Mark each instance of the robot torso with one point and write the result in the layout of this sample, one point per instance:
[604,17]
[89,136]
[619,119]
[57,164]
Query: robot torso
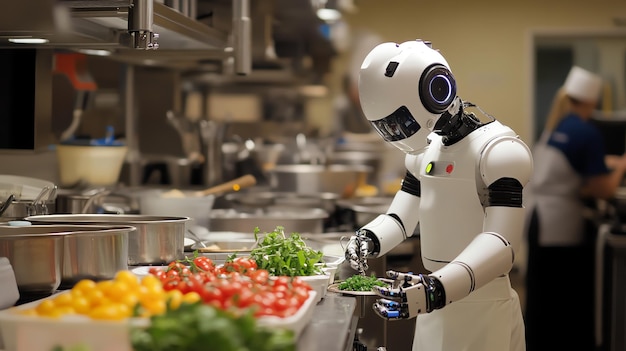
[453,191]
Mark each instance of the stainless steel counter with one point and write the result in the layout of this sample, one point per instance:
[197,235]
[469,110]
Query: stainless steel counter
[333,325]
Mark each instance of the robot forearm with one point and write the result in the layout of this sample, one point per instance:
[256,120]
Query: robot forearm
[386,231]
[488,256]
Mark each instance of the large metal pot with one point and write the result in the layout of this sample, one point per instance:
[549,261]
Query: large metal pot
[301,220]
[87,252]
[94,252]
[306,178]
[158,239]
[361,211]
[36,256]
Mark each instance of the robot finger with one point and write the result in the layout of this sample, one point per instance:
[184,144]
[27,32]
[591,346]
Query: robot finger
[389,304]
[390,313]
[388,293]
[364,248]
[355,264]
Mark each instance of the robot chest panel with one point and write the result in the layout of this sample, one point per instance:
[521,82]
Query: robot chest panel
[451,213]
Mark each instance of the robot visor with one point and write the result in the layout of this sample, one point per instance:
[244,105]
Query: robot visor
[397,126]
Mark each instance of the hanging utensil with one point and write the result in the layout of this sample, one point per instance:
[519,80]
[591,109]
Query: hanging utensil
[236,184]
[6,203]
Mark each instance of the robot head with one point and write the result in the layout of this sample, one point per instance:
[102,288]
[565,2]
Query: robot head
[403,89]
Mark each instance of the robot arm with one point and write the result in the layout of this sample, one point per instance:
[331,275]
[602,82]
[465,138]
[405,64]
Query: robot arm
[489,255]
[386,231]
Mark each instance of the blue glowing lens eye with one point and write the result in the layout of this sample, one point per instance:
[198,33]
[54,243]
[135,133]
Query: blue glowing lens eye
[437,88]
[440,88]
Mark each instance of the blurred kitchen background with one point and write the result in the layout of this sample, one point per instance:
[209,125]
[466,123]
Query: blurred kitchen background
[271,71]
[203,91]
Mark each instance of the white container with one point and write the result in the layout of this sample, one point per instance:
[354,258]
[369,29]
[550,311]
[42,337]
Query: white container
[8,285]
[319,283]
[32,333]
[93,165]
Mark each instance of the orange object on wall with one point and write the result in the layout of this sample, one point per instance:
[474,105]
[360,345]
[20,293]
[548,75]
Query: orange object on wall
[74,66]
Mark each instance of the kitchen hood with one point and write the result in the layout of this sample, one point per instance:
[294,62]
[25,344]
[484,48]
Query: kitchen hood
[130,30]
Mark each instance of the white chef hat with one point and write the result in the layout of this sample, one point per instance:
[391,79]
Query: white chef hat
[583,85]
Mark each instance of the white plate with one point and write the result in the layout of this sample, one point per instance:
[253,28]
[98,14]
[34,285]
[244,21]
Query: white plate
[142,271]
[188,242]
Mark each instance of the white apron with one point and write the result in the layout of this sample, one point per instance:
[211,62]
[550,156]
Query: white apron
[456,327]
[556,193]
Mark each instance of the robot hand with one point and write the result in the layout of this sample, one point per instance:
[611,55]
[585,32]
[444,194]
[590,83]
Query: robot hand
[408,296]
[357,251]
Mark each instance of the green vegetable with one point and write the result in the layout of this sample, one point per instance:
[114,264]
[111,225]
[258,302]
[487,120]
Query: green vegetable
[284,255]
[360,283]
[198,326]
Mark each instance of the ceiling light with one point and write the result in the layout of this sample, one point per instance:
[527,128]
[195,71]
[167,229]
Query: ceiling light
[28,40]
[328,15]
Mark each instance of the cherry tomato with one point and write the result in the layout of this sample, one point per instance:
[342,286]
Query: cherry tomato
[204,264]
[260,276]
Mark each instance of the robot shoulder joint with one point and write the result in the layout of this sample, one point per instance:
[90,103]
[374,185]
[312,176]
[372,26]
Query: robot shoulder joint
[506,157]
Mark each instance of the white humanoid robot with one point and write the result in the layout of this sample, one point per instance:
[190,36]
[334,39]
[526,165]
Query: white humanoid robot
[463,187]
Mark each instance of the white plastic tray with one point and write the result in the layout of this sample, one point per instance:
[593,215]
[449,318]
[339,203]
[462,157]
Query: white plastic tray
[297,322]
[30,333]
[319,283]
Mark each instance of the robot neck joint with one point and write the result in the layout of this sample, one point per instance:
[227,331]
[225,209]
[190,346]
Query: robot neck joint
[455,127]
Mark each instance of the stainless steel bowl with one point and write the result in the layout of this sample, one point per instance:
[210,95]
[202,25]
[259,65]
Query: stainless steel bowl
[36,255]
[157,240]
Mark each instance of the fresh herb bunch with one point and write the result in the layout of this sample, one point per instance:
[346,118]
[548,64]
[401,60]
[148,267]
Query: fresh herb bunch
[360,283]
[283,255]
[198,326]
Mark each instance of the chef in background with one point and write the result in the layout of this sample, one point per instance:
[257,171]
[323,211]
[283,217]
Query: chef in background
[571,168]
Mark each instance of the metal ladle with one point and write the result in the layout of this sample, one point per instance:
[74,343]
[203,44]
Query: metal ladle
[195,237]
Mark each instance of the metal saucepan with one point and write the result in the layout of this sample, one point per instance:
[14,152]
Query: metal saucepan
[157,240]
[17,209]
